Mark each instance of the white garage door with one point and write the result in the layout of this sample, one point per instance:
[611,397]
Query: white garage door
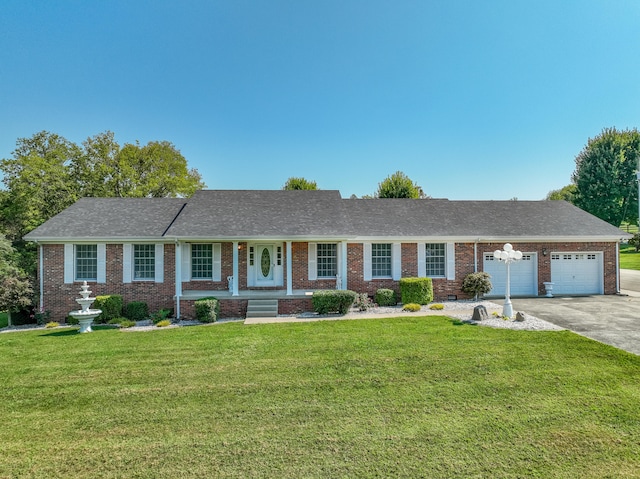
[524,275]
[576,273]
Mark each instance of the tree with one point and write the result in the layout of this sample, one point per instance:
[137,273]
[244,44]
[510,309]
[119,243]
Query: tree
[16,290]
[399,185]
[48,173]
[38,182]
[605,176]
[295,183]
[635,241]
[566,193]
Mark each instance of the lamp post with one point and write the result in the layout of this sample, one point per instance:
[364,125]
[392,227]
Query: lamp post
[508,255]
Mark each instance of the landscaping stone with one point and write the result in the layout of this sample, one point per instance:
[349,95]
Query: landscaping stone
[520,316]
[480,313]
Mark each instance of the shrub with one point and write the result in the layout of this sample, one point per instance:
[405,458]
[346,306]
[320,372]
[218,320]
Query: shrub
[416,290]
[126,323]
[437,306]
[71,320]
[52,324]
[137,311]
[163,324]
[333,301]
[386,297]
[111,306]
[207,309]
[362,302]
[42,317]
[413,307]
[476,284]
[635,241]
[161,315]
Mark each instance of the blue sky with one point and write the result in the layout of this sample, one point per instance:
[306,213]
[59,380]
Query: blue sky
[471,99]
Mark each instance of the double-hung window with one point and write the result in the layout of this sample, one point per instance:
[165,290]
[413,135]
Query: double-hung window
[435,259]
[86,262]
[381,260]
[144,262]
[201,261]
[327,260]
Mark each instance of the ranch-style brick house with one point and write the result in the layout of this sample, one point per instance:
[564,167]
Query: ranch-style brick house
[241,245]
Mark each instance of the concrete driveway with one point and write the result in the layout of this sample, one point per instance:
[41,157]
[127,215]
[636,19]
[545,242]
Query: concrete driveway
[611,319]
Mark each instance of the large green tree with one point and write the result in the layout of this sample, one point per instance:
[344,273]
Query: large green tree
[16,289]
[299,183]
[565,193]
[47,173]
[399,185]
[605,176]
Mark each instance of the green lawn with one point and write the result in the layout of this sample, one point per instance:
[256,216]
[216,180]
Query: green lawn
[404,397]
[629,259]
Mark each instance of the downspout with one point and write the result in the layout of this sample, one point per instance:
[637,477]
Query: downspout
[475,256]
[177,267]
[41,274]
[617,268]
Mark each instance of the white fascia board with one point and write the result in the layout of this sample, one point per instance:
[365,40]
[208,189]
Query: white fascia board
[258,239]
[489,239]
[79,240]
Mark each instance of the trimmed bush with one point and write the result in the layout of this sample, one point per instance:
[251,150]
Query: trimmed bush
[137,311]
[333,301]
[436,306]
[207,309]
[164,323]
[416,290]
[52,324]
[411,307]
[386,297]
[111,306]
[71,320]
[476,284]
[161,315]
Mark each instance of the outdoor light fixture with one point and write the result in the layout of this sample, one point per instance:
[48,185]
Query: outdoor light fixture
[544,251]
[508,255]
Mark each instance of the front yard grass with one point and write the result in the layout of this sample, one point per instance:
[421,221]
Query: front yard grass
[629,258]
[401,397]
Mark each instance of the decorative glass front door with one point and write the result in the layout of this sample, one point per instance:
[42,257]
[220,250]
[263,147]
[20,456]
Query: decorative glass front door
[264,270]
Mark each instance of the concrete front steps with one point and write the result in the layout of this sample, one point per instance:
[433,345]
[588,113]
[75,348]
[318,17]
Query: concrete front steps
[262,308]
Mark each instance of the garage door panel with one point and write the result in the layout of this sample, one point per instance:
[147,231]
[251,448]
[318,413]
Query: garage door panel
[524,275]
[576,273]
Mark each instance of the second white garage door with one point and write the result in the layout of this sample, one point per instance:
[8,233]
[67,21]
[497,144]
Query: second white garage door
[576,273]
[524,275]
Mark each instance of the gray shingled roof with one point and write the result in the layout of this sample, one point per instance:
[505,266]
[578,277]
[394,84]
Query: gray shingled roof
[267,213]
[474,219]
[251,214]
[94,218]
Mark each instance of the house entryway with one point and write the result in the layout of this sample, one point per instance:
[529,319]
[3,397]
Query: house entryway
[264,265]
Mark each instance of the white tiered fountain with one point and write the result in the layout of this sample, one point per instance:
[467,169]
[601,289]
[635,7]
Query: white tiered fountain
[85,316]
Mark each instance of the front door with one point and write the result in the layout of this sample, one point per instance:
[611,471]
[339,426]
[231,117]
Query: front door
[265,263]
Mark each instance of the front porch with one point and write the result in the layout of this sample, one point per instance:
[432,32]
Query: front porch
[235,306]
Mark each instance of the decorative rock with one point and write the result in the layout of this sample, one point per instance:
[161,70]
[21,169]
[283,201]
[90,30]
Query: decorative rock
[479,313]
[519,316]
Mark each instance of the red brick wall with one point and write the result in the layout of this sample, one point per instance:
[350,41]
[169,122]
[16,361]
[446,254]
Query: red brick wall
[59,298]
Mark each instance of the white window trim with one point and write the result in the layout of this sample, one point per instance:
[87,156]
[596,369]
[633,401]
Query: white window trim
[312,260]
[128,264]
[396,262]
[449,261]
[216,269]
[69,260]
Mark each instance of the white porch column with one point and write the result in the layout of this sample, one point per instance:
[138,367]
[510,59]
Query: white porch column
[343,264]
[289,270]
[178,269]
[235,269]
